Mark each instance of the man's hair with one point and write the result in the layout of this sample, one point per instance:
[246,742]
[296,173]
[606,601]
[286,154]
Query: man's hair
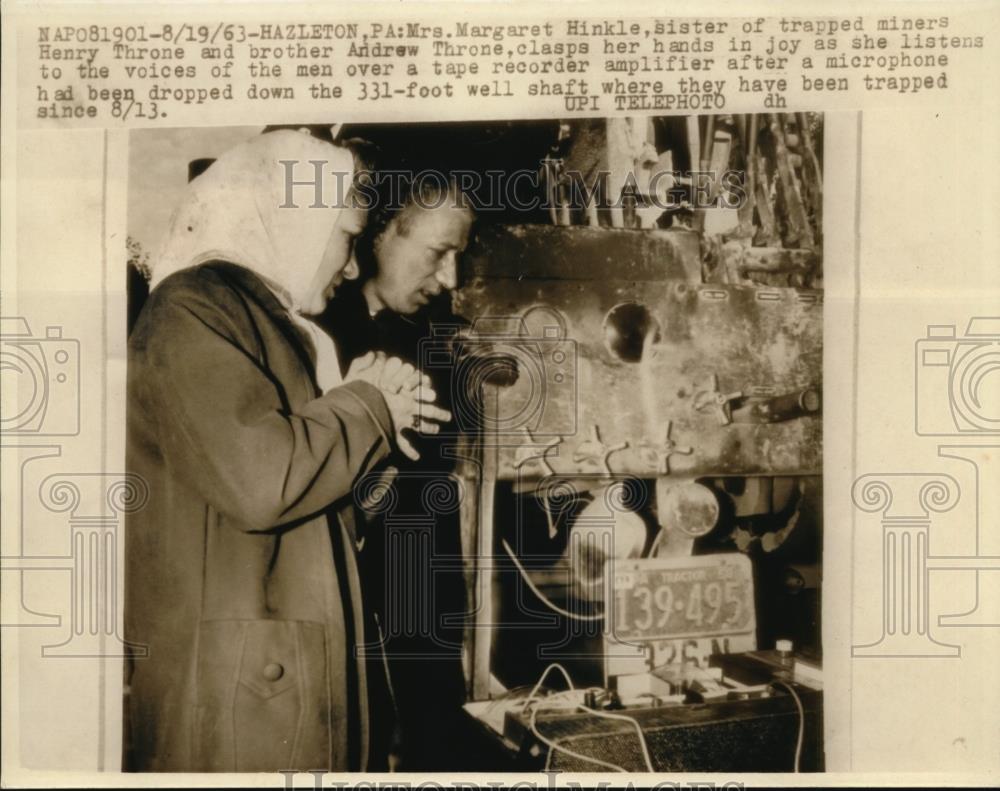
[387,188]
[425,190]
[392,192]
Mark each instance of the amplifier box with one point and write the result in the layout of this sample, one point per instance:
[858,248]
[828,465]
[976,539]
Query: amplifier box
[756,735]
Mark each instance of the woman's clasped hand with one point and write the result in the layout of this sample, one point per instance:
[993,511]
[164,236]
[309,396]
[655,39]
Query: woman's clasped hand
[408,393]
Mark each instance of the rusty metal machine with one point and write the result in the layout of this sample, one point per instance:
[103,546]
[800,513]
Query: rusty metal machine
[627,425]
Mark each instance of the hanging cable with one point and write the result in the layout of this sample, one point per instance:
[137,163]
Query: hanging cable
[541,680]
[542,597]
[533,725]
[638,729]
[552,745]
[802,720]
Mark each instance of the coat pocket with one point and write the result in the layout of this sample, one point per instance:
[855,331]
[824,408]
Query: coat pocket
[263,696]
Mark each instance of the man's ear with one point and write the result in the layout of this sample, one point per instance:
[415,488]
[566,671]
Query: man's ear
[390,230]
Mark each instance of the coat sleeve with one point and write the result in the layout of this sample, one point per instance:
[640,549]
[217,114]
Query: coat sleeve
[223,427]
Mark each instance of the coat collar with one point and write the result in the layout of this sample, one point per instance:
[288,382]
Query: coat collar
[253,286]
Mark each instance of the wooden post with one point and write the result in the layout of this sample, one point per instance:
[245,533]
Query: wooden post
[483,613]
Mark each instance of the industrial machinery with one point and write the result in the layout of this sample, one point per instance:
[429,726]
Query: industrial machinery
[642,456]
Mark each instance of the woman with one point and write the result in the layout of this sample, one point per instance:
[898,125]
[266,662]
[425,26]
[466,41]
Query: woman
[242,590]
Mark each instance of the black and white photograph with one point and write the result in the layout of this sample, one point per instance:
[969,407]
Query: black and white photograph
[476,447]
[436,394]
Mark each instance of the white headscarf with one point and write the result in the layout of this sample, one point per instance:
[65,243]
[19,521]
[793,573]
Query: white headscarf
[233,212]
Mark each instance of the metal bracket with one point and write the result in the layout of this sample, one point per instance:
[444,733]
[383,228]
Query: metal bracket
[594,450]
[658,456]
[533,454]
[720,402]
[529,454]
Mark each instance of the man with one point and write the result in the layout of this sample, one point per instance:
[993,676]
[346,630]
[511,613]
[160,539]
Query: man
[408,257]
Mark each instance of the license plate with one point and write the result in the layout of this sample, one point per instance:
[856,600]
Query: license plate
[665,598]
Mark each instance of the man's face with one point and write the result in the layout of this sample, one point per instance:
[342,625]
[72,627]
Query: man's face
[418,258]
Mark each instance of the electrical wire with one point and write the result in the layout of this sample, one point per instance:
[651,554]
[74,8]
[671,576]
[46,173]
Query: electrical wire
[541,680]
[542,597]
[510,694]
[600,714]
[552,745]
[533,725]
[638,729]
[802,720]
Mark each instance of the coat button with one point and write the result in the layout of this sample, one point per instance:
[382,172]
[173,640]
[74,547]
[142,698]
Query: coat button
[273,671]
